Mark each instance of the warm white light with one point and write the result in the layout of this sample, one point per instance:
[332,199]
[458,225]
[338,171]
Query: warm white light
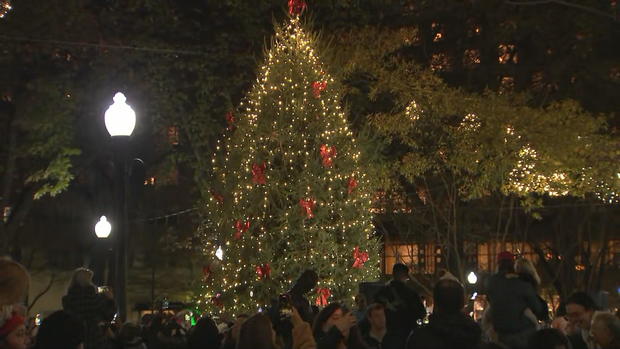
[472,278]
[120,119]
[219,253]
[103,228]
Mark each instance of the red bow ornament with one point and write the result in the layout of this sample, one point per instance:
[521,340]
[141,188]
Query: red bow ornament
[240,228]
[360,258]
[263,271]
[318,87]
[217,196]
[258,174]
[307,205]
[351,185]
[230,120]
[296,7]
[322,298]
[328,154]
[217,300]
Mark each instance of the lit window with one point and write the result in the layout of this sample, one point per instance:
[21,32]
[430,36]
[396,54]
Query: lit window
[507,54]
[150,181]
[173,135]
[471,57]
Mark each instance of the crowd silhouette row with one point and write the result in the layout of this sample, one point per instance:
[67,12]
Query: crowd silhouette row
[395,317]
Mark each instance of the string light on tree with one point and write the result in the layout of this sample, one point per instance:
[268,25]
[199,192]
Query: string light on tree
[291,167]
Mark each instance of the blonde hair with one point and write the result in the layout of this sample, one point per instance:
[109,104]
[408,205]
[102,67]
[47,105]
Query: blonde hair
[525,266]
[611,321]
[82,277]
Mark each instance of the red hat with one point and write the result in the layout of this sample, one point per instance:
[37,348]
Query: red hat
[505,256]
[11,324]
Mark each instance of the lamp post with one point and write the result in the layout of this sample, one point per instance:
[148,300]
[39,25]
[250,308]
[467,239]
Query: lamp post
[120,120]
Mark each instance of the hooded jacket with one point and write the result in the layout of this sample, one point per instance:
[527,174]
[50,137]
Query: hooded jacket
[446,331]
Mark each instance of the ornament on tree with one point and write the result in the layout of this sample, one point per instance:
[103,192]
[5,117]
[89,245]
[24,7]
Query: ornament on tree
[206,272]
[328,154]
[296,7]
[352,184]
[230,120]
[360,258]
[217,300]
[240,228]
[322,298]
[217,196]
[307,205]
[318,87]
[422,194]
[258,174]
[263,271]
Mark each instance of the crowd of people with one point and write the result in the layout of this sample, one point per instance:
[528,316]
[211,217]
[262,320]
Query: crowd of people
[392,318]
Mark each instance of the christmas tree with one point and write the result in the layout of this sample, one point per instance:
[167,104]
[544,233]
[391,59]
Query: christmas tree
[289,192]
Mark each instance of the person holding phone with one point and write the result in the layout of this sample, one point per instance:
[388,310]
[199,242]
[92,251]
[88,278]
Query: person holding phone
[335,328]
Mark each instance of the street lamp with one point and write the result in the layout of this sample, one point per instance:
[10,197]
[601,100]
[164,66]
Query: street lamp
[103,228]
[120,120]
[472,278]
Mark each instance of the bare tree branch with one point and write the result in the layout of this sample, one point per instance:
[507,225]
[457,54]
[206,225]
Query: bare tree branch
[564,3]
[47,288]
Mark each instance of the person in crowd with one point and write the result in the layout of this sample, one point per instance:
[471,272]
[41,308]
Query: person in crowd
[13,333]
[508,297]
[91,307]
[527,272]
[560,322]
[305,283]
[548,338]
[205,335]
[580,308]
[335,328]
[403,304]
[129,337]
[378,336]
[361,303]
[230,341]
[60,330]
[448,326]
[257,333]
[605,330]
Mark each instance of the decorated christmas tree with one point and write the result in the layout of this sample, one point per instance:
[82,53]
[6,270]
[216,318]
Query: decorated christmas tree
[289,190]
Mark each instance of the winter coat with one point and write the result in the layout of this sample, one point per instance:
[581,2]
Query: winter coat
[446,331]
[389,341]
[403,307]
[91,308]
[302,337]
[509,296]
[331,339]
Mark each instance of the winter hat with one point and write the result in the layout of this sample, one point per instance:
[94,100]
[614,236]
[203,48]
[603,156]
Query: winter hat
[14,282]
[11,324]
[505,256]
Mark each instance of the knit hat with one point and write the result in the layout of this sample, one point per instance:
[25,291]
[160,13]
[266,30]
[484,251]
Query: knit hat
[14,282]
[11,324]
[505,256]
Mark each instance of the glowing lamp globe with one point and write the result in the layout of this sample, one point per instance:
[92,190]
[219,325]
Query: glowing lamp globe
[103,228]
[120,119]
[472,278]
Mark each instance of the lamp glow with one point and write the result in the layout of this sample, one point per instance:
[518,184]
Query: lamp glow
[472,278]
[103,228]
[120,119]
